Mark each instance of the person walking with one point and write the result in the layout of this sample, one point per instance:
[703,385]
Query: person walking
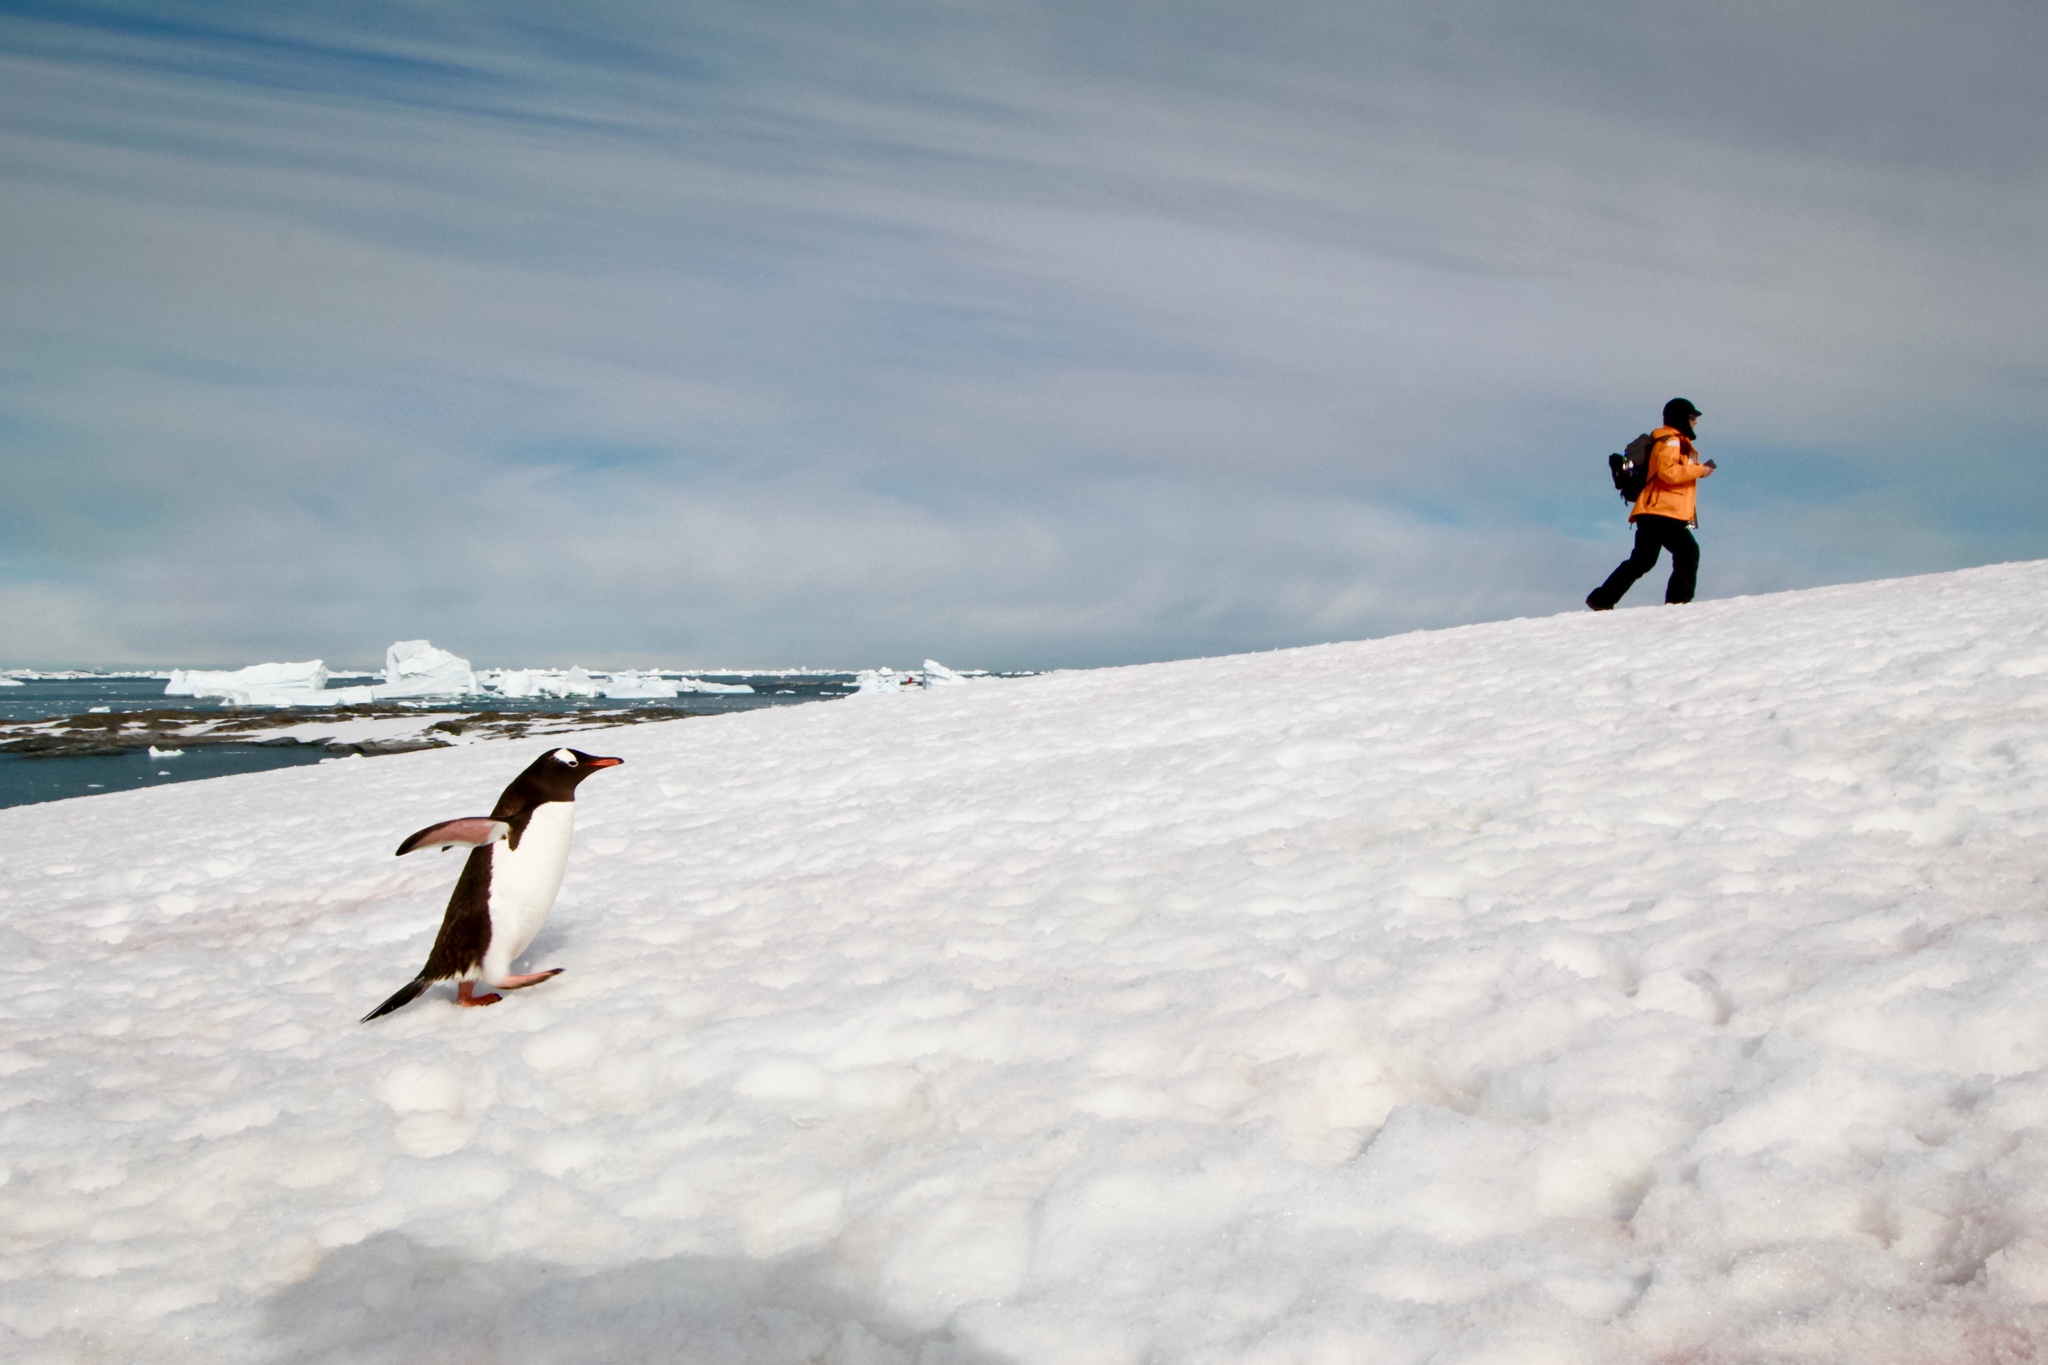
[1664,512]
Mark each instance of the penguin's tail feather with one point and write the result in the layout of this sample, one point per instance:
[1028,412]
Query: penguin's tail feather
[404,996]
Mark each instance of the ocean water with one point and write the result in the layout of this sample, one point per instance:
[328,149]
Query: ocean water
[26,780]
[48,698]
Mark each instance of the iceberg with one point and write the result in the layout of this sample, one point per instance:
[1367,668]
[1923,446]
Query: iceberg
[511,682]
[636,686]
[545,682]
[622,685]
[935,674]
[576,682]
[882,680]
[414,668]
[298,684]
[699,685]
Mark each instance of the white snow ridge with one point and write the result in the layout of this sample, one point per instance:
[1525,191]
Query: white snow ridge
[1658,986]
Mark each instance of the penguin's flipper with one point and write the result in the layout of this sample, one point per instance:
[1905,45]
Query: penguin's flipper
[405,995]
[470,831]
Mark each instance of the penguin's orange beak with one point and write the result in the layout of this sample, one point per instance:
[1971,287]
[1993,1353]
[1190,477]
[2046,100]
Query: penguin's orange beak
[606,762]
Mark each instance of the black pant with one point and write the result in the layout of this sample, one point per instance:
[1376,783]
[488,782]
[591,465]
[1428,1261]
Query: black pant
[1653,534]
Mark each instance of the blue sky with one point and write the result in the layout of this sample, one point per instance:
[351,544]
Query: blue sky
[1009,334]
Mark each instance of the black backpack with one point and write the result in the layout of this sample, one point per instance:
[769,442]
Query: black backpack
[1631,468]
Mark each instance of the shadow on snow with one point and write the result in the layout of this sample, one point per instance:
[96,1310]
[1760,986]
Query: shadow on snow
[394,1299]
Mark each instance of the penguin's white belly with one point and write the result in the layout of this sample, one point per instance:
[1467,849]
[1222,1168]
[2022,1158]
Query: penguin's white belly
[524,881]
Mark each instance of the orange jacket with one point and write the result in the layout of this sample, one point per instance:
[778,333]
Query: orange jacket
[1673,473]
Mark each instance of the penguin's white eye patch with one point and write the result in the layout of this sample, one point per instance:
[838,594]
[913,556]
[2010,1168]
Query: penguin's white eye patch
[564,756]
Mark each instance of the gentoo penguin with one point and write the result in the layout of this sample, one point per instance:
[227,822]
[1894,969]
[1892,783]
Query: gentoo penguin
[507,887]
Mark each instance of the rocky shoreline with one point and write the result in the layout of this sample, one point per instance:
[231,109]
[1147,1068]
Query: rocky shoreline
[114,733]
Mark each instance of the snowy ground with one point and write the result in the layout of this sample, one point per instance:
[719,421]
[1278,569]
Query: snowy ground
[1660,986]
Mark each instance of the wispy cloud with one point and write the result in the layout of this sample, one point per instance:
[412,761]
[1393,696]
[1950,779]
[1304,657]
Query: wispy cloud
[1014,334]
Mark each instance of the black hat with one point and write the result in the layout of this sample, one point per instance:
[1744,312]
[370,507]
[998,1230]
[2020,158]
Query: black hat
[1679,413]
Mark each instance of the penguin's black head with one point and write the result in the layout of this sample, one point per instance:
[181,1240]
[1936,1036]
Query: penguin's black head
[557,773]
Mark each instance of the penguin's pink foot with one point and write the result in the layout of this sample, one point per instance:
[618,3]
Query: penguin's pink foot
[513,983]
[465,995]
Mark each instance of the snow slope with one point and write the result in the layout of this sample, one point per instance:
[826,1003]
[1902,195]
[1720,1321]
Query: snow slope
[1656,986]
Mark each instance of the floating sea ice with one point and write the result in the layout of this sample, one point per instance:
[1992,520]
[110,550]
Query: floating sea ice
[629,685]
[937,674]
[155,752]
[699,685]
[623,684]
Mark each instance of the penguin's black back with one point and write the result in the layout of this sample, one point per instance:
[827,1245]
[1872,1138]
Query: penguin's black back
[465,933]
[466,926]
